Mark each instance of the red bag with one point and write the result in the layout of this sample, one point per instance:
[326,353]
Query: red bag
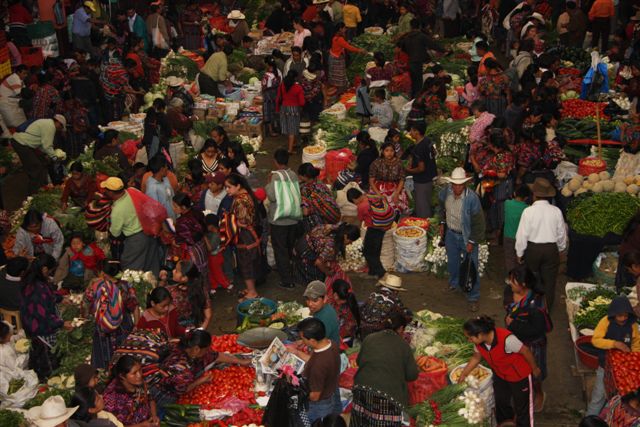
[150,212]
[426,384]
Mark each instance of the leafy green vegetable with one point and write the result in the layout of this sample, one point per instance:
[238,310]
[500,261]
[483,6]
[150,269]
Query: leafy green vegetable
[10,418]
[180,66]
[337,133]
[596,214]
[15,384]
[599,291]
[371,43]
[238,56]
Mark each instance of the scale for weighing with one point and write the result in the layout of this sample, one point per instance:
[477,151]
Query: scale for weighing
[261,337]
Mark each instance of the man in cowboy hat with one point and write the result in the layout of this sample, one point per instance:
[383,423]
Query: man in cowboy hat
[52,413]
[462,227]
[541,236]
[238,22]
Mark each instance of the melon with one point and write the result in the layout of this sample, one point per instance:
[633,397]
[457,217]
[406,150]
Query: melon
[620,187]
[604,175]
[608,185]
[593,178]
[633,189]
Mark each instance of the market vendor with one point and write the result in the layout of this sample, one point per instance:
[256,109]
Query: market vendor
[176,89]
[316,254]
[380,305]
[39,233]
[385,364]
[513,367]
[161,314]
[127,398]
[214,76]
[337,61]
[618,330]
[386,178]
[184,368]
[318,202]
[238,22]
[178,121]
[623,411]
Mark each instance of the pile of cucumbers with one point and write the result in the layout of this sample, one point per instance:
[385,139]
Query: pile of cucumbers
[180,415]
[585,128]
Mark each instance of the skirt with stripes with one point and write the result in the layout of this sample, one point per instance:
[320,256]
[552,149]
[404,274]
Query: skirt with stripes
[269,105]
[103,347]
[338,72]
[374,409]
[290,120]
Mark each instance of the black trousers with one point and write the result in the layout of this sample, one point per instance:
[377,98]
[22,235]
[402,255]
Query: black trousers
[283,240]
[543,259]
[371,248]
[417,79]
[34,164]
[600,29]
[520,393]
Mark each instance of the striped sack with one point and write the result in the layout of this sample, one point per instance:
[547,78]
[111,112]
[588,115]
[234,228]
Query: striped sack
[382,213]
[288,199]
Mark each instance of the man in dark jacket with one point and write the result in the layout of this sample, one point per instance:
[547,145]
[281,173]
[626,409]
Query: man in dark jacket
[415,44]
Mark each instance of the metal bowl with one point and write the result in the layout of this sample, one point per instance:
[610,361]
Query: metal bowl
[260,338]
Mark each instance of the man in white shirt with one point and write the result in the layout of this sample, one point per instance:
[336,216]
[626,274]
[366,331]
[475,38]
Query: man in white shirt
[541,236]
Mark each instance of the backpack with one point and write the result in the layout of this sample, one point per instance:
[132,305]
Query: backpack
[382,213]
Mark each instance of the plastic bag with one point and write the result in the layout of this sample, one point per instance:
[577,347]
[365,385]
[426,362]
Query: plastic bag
[565,171]
[150,212]
[468,273]
[27,392]
[287,405]
[347,209]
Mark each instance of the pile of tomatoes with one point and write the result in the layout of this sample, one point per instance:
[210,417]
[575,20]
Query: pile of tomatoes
[579,109]
[228,344]
[231,381]
[625,368]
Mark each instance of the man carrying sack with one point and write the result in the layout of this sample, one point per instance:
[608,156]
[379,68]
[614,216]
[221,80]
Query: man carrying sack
[285,212]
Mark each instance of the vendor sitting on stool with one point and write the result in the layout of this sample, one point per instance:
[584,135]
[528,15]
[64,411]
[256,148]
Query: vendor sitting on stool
[618,330]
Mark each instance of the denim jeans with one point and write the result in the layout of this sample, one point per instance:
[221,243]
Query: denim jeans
[598,397]
[323,408]
[454,244]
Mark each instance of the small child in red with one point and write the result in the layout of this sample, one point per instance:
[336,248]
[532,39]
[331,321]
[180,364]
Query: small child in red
[217,277]
[78,264]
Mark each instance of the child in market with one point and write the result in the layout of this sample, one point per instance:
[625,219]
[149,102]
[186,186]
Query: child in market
[512,364]
[77,265]
[347,175]
[85,376]
[381,111]
[513,209]
[617,330]
[217,278]
[372,245]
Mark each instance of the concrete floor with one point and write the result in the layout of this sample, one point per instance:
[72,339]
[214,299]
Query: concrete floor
[564,391]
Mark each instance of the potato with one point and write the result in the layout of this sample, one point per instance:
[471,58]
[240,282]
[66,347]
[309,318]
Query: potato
[593,178]
[608,185]
[580,191]
[628,180]
[633,189]
[604,175]
[597,187]
[574,184]
[620,187]
[566,192]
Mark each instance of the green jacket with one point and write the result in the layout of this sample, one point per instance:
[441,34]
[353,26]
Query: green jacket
[385,364]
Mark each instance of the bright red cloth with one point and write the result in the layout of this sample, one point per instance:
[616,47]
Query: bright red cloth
[217,277]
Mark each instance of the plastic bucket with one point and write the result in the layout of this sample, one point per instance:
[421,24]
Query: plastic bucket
[273,306]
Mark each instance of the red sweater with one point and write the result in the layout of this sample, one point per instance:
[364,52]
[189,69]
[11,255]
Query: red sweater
[294,97]
[169,323]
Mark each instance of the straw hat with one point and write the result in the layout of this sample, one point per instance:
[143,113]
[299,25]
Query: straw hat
[458,176]
[61,119]
[173,81]
[392,282]
[112,183]
[90,5]
[53,412]
[541,187]
[320,1]
[236,15]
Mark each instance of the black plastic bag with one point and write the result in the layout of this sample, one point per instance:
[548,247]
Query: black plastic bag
[468,273]
[288,404]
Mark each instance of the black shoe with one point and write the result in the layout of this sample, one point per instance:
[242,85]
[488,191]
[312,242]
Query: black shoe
[287,285]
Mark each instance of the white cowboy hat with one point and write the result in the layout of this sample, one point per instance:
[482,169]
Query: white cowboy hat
[320,1]
[392,282]
[236,15]
[173,81]
[53,412]
[458,176]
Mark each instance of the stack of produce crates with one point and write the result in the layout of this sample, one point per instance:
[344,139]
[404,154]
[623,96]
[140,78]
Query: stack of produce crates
[5,60]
